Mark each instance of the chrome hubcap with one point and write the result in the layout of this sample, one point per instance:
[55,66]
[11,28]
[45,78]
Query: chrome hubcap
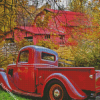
[56,92]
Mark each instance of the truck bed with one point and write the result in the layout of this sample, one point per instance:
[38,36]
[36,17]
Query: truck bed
[79,75]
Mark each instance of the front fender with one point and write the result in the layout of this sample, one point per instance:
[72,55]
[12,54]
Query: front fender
[72,89]
[2,70]
[4,81]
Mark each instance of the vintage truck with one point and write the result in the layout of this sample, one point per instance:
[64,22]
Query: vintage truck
[36,73]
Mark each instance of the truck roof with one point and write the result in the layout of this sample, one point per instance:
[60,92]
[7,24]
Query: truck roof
[40,49]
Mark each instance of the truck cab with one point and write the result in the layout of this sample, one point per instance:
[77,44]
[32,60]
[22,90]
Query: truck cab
[23,74]
[36,73]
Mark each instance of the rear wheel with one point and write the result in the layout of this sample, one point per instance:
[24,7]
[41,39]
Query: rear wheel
[56,91]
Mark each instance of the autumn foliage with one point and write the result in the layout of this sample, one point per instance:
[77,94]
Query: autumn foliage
[85,36]
[86,53]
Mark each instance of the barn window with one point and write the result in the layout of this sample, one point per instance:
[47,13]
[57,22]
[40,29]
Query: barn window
[62,37]
[47,36]
[29,39]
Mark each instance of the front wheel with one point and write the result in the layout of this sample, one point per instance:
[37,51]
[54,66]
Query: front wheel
[56,92]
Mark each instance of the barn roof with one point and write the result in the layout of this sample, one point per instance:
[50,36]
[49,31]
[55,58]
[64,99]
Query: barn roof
[37,30]
[70,18]
[66,18]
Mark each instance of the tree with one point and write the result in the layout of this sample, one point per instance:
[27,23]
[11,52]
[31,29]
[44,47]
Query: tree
[90,22]
[77,5]
[1,35]
[86,53]
[12,11]
[7,15]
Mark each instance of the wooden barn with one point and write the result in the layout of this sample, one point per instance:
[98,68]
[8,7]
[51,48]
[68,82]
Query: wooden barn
[58,28]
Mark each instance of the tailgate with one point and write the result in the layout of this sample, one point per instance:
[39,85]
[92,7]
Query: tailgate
[97,81]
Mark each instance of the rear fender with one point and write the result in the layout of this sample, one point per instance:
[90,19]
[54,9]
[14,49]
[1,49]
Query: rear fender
[4,81]
[72,89]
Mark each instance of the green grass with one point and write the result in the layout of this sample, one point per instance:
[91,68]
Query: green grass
[4,95]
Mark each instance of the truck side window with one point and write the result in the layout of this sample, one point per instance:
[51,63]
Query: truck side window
[47,56]
[24,55]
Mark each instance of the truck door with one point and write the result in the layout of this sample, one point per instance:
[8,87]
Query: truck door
[25,72]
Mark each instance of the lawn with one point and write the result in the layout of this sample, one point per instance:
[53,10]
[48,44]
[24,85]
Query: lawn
[4,95]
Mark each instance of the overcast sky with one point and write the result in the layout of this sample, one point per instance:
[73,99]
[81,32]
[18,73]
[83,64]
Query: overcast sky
[51,2]
[63,3]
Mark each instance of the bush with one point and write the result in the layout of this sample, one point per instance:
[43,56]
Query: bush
[4,61]
[87,54]
[65,55]
[23,43]
[48,44]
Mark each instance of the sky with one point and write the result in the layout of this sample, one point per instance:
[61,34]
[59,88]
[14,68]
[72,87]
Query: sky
[42,2]
[63,3]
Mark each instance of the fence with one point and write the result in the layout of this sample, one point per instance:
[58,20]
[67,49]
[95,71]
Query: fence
[9,48]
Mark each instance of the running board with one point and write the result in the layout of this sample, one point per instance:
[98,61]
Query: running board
[26,93]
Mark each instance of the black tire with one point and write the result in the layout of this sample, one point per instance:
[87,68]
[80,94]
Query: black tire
[55,90]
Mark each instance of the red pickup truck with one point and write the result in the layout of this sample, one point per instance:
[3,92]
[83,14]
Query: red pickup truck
[36,73]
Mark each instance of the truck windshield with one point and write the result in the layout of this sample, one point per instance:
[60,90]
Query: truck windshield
[47,56]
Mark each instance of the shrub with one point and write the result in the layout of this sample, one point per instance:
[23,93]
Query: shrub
[23,43]
[48,44]
[65,55]
[87,54]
